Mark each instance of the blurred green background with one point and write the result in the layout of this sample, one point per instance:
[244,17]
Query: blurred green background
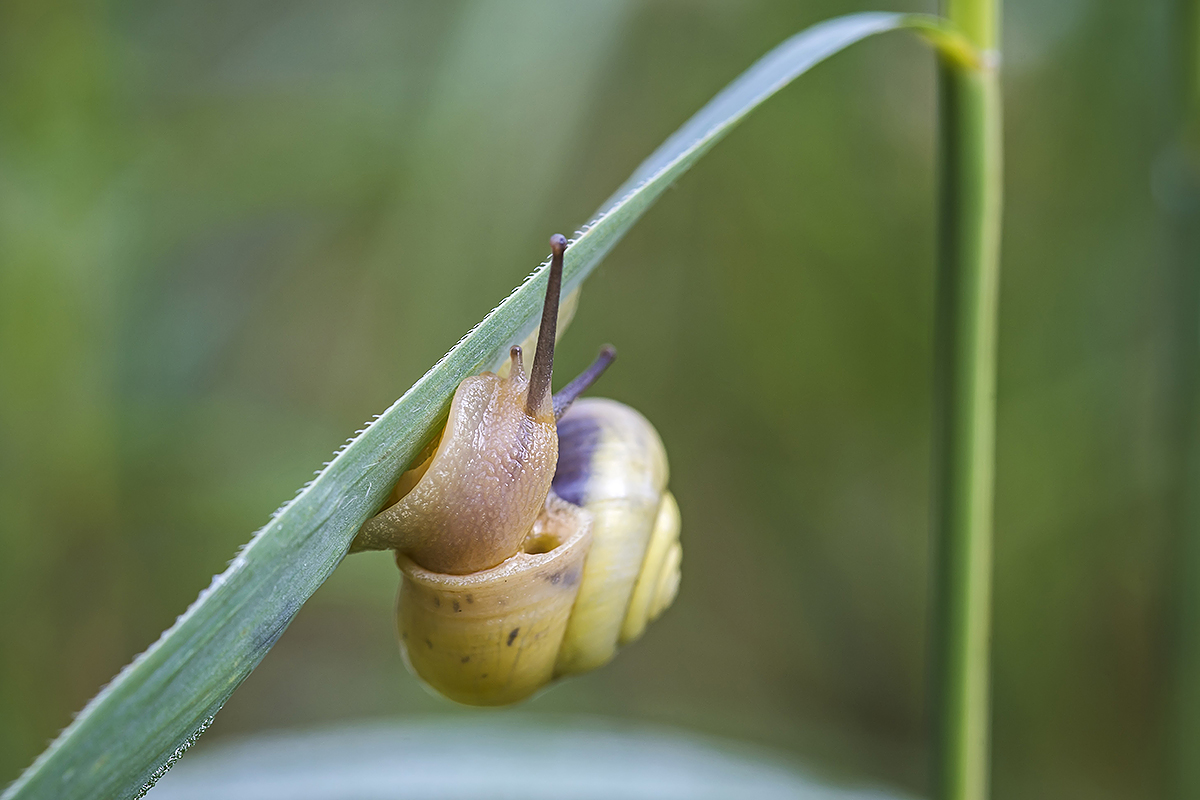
[230,232]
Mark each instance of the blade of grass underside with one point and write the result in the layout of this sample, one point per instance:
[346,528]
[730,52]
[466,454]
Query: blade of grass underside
[145,719]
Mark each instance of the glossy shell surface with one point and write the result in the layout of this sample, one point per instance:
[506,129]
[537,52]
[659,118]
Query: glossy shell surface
[612,464]
[493,637]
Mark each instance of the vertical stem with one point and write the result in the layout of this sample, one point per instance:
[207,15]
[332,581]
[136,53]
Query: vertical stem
[965,406]
[1181,201]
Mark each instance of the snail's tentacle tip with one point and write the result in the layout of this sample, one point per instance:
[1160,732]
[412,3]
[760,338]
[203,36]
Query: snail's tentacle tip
[558,243]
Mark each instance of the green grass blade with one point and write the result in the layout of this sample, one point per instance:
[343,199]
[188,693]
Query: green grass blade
[138,725]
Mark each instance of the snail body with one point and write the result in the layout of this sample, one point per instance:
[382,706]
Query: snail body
[479,494]
[536,535]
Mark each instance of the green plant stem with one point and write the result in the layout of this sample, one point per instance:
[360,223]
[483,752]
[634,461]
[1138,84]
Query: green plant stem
[965,407]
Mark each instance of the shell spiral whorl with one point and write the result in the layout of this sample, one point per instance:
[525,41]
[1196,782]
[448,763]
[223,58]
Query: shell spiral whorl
[612,463]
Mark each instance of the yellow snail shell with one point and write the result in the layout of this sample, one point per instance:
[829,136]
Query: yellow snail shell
[492,637]
[612,464]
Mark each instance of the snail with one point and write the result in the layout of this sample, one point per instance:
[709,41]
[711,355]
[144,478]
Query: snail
[535,535]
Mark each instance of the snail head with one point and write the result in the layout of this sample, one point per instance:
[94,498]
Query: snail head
[469,505]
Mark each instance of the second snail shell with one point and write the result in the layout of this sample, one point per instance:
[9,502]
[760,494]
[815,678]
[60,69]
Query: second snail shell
[613,465]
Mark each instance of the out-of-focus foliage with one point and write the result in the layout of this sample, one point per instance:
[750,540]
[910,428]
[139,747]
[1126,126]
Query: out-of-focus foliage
[231,232]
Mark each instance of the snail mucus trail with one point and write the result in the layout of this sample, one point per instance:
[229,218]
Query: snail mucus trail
[535,535]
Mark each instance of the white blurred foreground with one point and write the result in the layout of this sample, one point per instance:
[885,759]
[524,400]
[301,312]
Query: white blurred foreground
[490,759]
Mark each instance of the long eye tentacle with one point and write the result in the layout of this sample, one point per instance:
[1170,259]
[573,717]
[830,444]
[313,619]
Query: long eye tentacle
[569,393]
[543,359]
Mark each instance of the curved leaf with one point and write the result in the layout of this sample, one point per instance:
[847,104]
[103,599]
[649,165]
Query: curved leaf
[139,724]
